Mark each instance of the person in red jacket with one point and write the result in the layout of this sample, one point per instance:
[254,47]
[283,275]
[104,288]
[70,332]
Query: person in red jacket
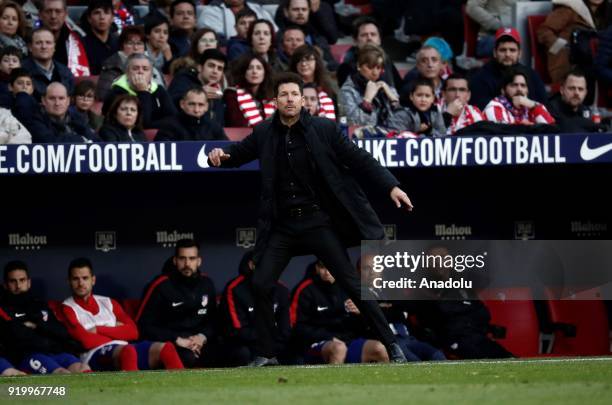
[104,329]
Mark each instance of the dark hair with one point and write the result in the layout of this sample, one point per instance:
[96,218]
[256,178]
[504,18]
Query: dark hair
[21,26]
[177,2]
[361,21]
[153,20]
[212,54]
[129,31]
[321,74]
[422,82]
[286,3]
[454,76]
[184,244]
[245,12]
[293,27]
[111,114]
[195,39]
[288,77]
[194,90]
[17,73]
[78,263]
[510,73]
[369,55]
[576,72]
[272,51]
[239,72]
[83,87]
[10,50]
[96,4]
[15,265]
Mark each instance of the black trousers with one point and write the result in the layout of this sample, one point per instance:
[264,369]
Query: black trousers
[311,234]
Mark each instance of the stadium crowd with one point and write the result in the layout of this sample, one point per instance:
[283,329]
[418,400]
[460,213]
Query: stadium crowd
[185,71]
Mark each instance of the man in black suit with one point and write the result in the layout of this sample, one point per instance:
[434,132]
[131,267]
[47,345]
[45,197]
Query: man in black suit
[310,204]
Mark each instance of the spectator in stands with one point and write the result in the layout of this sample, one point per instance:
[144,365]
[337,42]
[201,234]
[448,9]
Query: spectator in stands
[298,12]
[513,105]
[457,111]
[306,61]
[68,37]
[327,324]
[366,31]
[316,13]
[20,81]
[104,329]
[201,40]
[182,24]
[422,116]
[83,101]
[42,65]
[191,123]
[8,370]
[311,99]
[131,40]
[261,39]
[239,44]
[555,34]
[181,307]
[429,66]
[12,26]
[29,330]
[10,59]
[124,15]
[123,121]
[52,122]
[155,102]
[157,47]
[486,81]
[250,101]
[491,15]
[291,38]
[209,76]
[567,107]
[221,16]
[100,42]
[368,99]
[237,316]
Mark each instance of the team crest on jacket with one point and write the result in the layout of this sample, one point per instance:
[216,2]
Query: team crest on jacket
[204,300]
[246,237]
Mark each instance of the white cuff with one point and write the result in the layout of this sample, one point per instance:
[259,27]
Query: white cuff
[559,44]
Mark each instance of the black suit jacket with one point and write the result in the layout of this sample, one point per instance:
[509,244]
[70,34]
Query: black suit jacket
[336,159]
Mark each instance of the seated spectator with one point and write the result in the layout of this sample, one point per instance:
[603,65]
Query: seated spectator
[181,307]
[423,116]
[567,107]
[208,75]
[491,15]
[299,13]
[326,323]
[446,54]
[237,317]
[457,111]
[556,31]
[306,61]
[221,16]
[486,81]
[29,330]
[182,26]
[83,101]
[8,370]
[157,47]
[100,43]
[262,40]
[429,66]
[155,103]
[123,121]
[12,26]
[68,37]
[513,106]
[52,123]
[131,40]
[10,59]
[317,14]
[366,31]
[291,38]
[191,123]
[311,99]
[368,99]
[124,15]
[250,101]
[20,81]
[41,65]
[239,44]
[104,329]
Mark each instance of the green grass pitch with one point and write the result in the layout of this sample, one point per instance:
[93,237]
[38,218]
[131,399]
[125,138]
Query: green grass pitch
[555,381]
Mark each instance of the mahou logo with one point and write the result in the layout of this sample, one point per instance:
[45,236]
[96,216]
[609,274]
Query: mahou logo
[452,231]
[169,239]
[26,241]
[588,228]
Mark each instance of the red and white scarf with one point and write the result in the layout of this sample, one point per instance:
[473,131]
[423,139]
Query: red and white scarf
[249,108]
[469,115]
[77,57]
[326,106]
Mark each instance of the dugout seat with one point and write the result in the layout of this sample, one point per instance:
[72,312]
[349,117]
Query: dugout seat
[579,321]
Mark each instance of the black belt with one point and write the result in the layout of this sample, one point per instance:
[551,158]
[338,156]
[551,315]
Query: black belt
[302,210]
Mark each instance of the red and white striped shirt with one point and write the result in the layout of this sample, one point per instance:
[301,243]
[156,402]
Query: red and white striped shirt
[469,115]
[497,111]
[249,108]
[326,106]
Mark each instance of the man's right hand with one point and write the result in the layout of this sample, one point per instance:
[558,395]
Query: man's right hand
[455,107]
[212,92]
[216,156]
[187,343]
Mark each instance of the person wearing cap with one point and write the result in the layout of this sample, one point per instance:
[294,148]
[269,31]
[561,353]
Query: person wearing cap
[429,66]
[208,75]
[487,80]
[100,43]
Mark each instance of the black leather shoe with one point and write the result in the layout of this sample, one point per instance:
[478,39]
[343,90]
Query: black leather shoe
[261,361]
[396,355]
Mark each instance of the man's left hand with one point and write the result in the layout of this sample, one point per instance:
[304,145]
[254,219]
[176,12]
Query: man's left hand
[399,197]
